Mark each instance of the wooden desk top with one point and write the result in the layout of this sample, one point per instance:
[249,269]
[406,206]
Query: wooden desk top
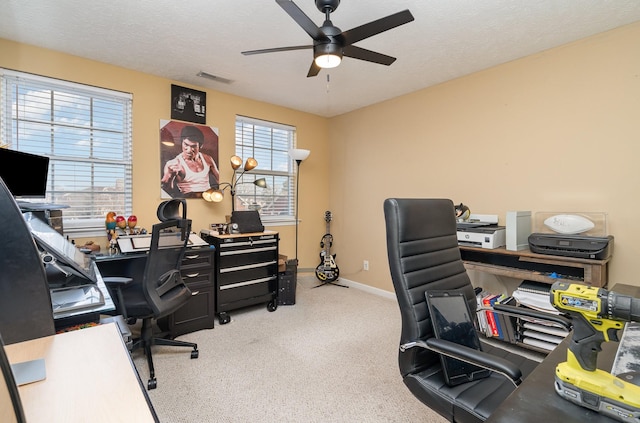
[89,377]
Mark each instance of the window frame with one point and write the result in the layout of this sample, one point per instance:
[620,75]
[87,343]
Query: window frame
[79,226]
[280,157]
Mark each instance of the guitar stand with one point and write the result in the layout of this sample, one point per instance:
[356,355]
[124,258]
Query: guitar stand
[330,283]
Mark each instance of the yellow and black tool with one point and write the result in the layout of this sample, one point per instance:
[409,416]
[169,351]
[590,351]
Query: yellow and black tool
[597,316]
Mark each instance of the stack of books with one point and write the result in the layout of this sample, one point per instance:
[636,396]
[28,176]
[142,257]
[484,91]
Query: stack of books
[493,323]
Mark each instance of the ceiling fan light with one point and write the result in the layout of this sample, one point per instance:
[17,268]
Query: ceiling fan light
[328,61]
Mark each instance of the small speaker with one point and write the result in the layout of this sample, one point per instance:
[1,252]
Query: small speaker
[248,221]
[518,230]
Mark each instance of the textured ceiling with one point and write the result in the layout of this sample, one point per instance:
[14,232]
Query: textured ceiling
[176,40]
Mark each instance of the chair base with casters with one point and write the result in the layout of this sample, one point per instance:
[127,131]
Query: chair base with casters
[146,339]
[423,253]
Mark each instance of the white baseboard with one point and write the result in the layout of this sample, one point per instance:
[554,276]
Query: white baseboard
[367,288]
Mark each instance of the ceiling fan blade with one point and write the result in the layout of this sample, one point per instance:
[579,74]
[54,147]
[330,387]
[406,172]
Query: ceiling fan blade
[303,20]
[275,50]
[368,55]
[376,27]
[313,70]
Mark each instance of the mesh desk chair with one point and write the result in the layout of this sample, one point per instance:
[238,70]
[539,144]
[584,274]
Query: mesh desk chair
[423,253]
[161,290]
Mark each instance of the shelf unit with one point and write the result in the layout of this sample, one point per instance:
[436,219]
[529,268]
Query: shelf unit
[524,264]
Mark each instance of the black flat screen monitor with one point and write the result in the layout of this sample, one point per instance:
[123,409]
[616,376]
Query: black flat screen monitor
[30,178]
[452,321]
[65,253]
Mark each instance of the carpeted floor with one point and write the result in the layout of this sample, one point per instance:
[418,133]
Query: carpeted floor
[331,357]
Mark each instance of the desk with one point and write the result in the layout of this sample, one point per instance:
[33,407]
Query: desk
[524,264]
[90,377]
[536,400]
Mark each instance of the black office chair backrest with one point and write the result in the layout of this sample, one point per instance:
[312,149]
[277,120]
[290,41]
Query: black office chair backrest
[423,253]
[163,286]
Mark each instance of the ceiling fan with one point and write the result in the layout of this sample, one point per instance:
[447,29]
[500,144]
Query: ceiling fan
[330,44]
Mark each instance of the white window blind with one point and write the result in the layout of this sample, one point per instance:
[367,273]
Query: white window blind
[268,143]
[86,133]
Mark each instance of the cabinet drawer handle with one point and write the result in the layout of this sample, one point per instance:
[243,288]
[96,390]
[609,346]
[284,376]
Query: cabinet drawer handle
[192,275]
[247,266]
[247,251]
[194,256]
[194,293]
[245,283]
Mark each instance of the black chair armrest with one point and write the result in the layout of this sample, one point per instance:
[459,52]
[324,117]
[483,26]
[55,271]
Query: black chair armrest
[117,280]
[117,283]
[522,311]
[470,355]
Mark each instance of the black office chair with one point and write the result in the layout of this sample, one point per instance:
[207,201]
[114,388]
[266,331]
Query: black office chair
[161,290]
[423,255]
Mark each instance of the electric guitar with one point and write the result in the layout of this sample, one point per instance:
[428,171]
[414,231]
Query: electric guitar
[327,270]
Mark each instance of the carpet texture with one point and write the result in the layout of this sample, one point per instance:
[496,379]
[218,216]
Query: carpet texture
[331,357]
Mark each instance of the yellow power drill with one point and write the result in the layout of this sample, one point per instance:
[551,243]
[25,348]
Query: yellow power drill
[597,315]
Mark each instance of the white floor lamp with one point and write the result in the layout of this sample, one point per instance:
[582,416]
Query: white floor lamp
[298,155]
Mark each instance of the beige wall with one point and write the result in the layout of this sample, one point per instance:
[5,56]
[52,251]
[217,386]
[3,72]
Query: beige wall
[151,102]
[558,131]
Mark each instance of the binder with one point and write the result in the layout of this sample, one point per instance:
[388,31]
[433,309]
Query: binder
[534,287]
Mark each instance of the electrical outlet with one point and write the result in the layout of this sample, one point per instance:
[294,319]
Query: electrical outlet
[365,265]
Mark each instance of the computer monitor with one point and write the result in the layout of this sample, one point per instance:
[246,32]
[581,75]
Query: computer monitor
[30,181]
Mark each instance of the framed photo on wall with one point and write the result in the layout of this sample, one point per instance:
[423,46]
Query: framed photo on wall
[188,159]
[188,104]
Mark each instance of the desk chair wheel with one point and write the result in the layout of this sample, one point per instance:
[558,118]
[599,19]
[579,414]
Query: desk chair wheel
[195,354]
[152,384]
[273,305]
[224,318]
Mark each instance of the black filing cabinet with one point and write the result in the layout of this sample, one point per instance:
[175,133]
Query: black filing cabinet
[246,271]
[197,270]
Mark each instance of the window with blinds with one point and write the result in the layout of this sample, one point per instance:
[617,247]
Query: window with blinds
[86,133]
[268,143]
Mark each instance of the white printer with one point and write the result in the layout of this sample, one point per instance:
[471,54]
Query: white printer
[481,235]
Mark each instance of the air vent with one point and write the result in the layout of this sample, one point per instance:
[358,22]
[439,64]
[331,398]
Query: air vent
[214,77]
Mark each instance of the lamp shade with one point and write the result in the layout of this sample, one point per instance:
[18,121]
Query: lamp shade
[299,154]
[262,183]
[213,195]
[236,162]
[251,163]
